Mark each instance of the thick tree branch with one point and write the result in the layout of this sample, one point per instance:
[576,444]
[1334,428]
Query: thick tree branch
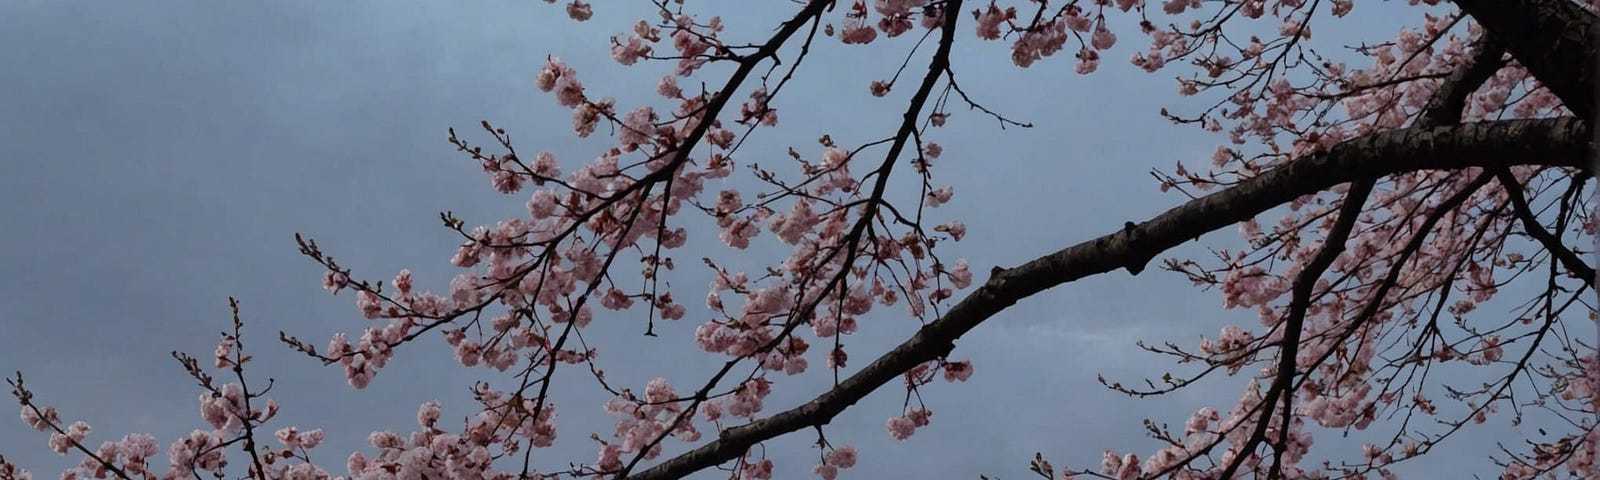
[1448,103]
[1559,142]
[1555,39]
[1575,266]
[1292,326]
[1445,107]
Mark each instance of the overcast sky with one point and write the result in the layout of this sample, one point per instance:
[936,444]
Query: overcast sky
[159,157]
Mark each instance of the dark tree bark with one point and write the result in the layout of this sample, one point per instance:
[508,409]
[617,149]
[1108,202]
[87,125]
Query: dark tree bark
[1554,39]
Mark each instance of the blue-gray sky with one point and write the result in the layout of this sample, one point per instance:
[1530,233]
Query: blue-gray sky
[159,157]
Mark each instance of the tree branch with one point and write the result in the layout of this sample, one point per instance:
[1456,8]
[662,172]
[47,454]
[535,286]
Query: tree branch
[1450,100]
[1575,266]
[1560,142]
[720,451]
[1292,326]
[1555,39]
[1445,107]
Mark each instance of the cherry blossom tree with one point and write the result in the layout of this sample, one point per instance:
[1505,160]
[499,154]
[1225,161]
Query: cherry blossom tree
[1382,202]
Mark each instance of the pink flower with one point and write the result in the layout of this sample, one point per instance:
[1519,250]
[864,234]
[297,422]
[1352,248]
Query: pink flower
[579,11]
[961,277]
[293,438]
[894,26]
[369,304]
[957,229]
[40,422]
[385,439]
[1043,41]
[1149,63]
[1088,62]
[338,346]
[464,291]
[187,451]
[333,281]
[659,390]
[901,427]
[60,443]
[428,414]
[688,44]
[1342,7]
[749,400]
[627,53]
[989,21]
[756,470]
[1077,22]
[1188,87]
[213,410]
[795,365]
[616,300]
[880,88]
[139,445]
[584,316]
[738,234]
[288,436]
[1110,463]
[932,18]
[1201,420]
[800,220]
[670,310]
[939,196]
[856,32]
[668,87]
[1491,348]
[359,371]
[837,358]
[544,165]
[542,204]
[847,325]
[892,8]
[757,110]
[824,326]
[553,70]
[506,181]
[1251,287]
[311,439]
[920,416]
[569,91]
[1103,39]
[712,410]
[637,127]
[1290,28]
[1130,468]
[728,201]
[586,116]
[402,281]
[713,337]
[842,457]
[957,371]
[356,463]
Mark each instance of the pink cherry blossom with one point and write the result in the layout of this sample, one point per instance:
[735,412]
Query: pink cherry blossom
[842,457]
[901,427]
[1353,275]
[957,371]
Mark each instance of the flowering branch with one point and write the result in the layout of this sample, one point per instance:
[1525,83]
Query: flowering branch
[1559,142]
